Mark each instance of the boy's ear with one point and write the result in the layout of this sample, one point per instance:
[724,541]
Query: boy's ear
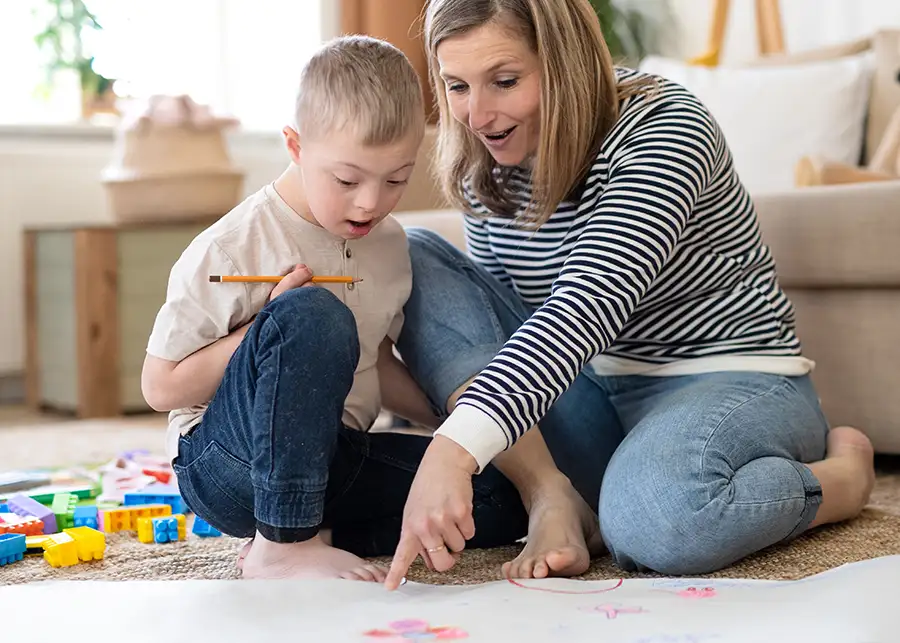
[292,142]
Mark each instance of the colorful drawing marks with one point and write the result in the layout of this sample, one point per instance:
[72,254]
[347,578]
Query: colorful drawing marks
[416,630]
[613,611]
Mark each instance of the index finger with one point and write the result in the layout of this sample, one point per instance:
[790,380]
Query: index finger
[406,553]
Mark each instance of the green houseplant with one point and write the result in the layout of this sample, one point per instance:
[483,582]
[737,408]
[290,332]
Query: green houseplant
[62,40]
[630,28]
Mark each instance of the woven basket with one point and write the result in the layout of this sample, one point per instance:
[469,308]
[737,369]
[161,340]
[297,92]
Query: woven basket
[171,162]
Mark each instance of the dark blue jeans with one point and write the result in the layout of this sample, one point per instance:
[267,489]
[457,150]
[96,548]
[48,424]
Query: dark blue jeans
[273,455]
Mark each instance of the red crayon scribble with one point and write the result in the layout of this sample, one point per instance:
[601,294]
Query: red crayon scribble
[566,591]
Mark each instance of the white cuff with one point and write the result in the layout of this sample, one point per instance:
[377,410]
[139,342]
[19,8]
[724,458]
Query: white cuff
[476,432]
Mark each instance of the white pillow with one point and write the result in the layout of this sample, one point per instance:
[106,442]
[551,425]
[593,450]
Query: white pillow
[773,116]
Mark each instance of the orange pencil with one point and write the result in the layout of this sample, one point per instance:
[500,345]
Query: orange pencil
[274,279]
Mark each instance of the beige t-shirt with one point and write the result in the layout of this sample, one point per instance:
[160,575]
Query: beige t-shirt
[264,236]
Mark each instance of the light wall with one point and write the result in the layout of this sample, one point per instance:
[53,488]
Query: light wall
[51,175]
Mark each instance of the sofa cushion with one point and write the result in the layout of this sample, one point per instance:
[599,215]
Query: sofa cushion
[774,116]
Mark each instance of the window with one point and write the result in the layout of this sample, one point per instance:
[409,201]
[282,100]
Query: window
[243,57]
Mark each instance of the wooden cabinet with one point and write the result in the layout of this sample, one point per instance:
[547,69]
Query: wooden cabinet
[91,296]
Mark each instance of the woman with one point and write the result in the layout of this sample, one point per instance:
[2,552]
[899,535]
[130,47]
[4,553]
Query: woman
[617,294]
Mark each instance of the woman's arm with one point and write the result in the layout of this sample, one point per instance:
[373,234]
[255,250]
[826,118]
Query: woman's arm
[656,175]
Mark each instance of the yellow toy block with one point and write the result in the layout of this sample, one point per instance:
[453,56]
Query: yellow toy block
[91,543]
[145,530]
[125,518]
[33,542]
[153,530]
[60,550]
[113,520]
[150,511]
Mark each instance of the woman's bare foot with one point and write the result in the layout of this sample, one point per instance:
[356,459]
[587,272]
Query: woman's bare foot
[310,559]
[847,475]
[243,554]
[563,535]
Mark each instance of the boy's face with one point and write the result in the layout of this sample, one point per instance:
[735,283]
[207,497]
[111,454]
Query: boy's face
[350,187]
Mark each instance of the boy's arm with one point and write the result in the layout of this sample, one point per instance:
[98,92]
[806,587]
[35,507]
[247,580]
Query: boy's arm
[168,385]
[400,394]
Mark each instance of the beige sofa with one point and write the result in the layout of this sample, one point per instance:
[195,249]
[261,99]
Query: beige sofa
[836,249]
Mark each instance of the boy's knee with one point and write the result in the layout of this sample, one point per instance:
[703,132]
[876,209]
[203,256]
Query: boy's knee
[312,311]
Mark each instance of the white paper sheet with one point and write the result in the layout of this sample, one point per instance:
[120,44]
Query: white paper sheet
[855,603]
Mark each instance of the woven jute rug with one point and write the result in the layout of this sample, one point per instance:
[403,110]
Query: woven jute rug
[875,533]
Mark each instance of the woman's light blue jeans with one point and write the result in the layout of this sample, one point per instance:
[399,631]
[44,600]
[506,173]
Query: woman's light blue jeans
[689,473]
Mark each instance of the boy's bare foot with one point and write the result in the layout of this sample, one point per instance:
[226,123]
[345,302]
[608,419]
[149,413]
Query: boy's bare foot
[847,475]
[310,559]
[563,535]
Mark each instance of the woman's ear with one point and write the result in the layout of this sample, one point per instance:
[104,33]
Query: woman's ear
[292,142]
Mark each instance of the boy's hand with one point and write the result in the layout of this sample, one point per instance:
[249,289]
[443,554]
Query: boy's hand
[297,277]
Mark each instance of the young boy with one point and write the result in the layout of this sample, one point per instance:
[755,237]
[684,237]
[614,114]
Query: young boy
[271,390]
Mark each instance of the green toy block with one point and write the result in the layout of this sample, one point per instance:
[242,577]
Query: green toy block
[82,492]
[63,508]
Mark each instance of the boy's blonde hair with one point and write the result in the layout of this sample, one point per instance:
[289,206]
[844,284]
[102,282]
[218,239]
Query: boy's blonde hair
[580,97]
[362,84]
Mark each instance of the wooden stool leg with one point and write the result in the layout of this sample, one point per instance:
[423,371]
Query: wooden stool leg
[97,323]
[769,32]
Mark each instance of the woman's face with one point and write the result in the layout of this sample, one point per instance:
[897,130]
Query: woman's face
[493,84]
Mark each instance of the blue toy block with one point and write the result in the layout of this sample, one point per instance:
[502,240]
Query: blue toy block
[4,508]
[165,529]
[204,529]
[86,516]
[157,494]
[12,548]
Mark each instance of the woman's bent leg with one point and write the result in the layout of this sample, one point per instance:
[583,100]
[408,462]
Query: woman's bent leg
[711,469]
[457,318]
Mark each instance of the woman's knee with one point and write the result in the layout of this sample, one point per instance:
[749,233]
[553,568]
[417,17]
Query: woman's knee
[661,532]
[427,248]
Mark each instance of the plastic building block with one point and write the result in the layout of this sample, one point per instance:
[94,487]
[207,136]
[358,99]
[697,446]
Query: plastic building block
[86,516]
[27,507]
[4,509]
[15,524]
[82,491]
[91,544]
[162,529]
[35,544]
[157,494]
[12,548]
[160,475]
[204,529]
[60,550]
[125,518]
[63,508]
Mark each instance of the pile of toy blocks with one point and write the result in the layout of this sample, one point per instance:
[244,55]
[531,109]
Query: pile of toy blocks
[69,529]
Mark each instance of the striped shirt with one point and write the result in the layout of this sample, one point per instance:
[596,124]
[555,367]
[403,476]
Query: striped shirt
[658,268]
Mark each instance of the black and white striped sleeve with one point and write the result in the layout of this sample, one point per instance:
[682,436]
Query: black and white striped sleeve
[657,171]
[478,245]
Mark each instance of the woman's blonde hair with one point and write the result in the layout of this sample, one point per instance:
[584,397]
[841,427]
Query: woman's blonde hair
[579,100]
